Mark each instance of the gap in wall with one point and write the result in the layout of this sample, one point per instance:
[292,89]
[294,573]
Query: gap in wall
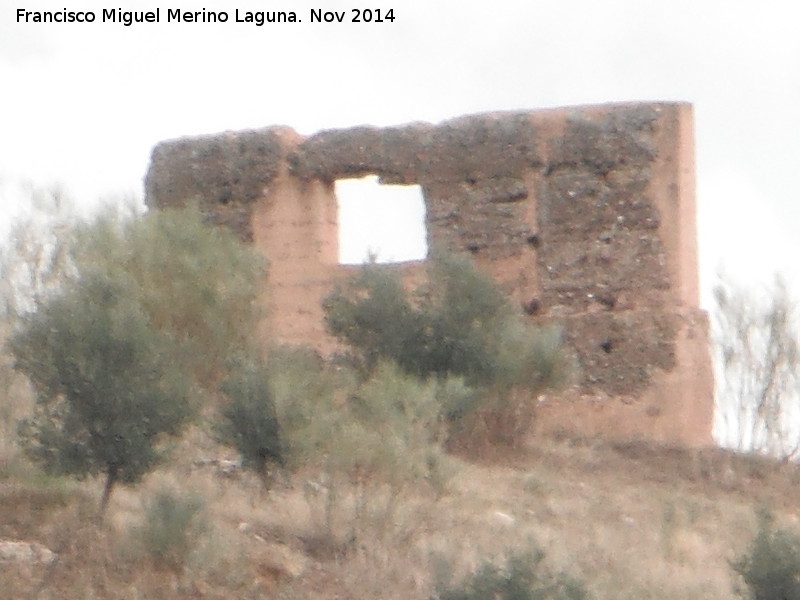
[387,221]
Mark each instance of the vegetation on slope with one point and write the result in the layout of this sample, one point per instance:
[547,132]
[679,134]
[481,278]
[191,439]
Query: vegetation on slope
[633,521]
[347,488]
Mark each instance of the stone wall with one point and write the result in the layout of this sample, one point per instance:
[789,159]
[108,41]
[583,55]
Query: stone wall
[584,215]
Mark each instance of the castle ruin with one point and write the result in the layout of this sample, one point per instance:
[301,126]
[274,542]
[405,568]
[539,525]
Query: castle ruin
[585,216]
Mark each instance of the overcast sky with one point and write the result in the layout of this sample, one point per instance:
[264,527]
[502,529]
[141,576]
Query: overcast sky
[83,104]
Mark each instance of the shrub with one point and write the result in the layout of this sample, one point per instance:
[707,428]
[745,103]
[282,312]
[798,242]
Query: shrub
[306,398]
[462,309]
[771,567]
[372,314]
[385,427]
[394,420]
[522,577]
[369,442]
[249,422]
[171,528]
[457,327]
[459,324]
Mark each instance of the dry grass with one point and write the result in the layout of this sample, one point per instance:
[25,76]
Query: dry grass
[631,521]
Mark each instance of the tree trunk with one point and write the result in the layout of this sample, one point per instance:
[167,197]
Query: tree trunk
[111,479]
[263,474]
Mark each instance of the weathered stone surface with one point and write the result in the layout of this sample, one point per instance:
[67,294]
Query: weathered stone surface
[482,147]
[395,154]
[584,216]
[618,139]
[496,145]
[467,218]
[577,204]
[224,174]
[615,359]
[618,260]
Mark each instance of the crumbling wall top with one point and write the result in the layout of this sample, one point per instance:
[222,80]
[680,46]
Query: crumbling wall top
[463,149]
[224,174]
[584,215]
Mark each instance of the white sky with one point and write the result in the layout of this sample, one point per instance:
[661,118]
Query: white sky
[83,105]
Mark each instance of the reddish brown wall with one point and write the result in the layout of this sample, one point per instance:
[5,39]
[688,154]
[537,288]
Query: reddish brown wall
[585,215]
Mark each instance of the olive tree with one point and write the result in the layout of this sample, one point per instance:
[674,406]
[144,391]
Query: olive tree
[145,318]
[195,282]
[106,389]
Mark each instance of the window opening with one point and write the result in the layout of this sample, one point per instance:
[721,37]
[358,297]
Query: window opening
[385,221]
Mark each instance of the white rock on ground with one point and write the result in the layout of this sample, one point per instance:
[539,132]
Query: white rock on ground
[12,551]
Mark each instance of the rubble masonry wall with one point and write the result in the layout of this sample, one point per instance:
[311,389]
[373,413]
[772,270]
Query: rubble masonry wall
[585,216]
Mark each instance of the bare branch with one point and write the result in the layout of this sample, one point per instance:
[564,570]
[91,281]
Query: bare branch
[758,362]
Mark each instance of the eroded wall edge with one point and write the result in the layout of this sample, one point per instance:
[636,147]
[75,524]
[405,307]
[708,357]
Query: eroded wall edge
[585,216]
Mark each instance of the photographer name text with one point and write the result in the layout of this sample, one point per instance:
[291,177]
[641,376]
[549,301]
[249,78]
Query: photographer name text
[128,18]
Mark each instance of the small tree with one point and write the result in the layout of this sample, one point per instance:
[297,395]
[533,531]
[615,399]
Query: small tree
[459,325]
[148,307]
[249,422]
[374,316]
[464,311]
[758,358]
[197,283]
[105,391]
[771,567]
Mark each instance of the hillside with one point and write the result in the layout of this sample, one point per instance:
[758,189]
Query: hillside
[629,520]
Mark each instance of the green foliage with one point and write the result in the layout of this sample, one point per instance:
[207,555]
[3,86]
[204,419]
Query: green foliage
[462,309]
[460,330]
[521,578]
[106,392]
[373,315]
[249,421]
[367,442]
[771,567]
[392,427]
[389,427]
[305,399]
[170,530]
[196,283]
[529,358]
[460,324]
[154,306]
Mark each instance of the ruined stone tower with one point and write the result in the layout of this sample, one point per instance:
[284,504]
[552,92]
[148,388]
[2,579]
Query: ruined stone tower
[585,216]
